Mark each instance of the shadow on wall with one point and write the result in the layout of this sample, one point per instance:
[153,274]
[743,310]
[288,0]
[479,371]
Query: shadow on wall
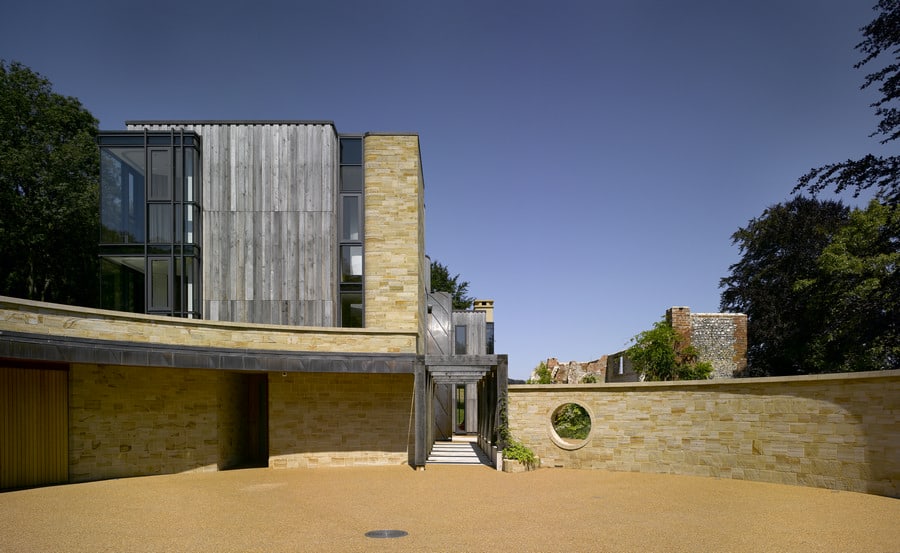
[831,431]
[338,419]
[138,421]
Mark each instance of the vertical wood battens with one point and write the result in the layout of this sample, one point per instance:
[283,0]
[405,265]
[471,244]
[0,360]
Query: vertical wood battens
[33,427]
[270,222]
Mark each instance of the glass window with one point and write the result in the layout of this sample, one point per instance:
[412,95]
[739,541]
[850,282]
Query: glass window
[351,264]
[350,218]
[351,151]
[159,283]
[351,178]
[122,284]
[489,338]
[151,223]
[461,340]
[179,173]
[160,182]
[352,309]
[160,218]
[122,195]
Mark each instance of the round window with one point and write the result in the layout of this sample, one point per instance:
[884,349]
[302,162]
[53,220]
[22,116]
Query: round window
[570,426]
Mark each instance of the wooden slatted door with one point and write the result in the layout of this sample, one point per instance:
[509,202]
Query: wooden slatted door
[33,426]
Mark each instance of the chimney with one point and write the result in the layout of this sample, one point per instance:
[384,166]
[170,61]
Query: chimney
[487,306]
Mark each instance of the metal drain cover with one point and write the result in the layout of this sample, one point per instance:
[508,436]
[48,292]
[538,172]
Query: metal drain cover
[385,534]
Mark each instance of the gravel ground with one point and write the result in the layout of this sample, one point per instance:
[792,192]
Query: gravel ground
[445,508]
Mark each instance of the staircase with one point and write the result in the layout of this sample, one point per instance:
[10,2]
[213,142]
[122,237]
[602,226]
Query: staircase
[457,453]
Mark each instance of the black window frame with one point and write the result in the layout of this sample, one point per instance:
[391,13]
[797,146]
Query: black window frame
[355,285]
[181,149]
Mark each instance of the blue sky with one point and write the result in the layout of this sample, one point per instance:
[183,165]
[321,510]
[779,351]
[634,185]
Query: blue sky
[605,150]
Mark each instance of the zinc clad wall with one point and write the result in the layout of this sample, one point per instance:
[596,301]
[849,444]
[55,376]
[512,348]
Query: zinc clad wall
[394,235]
[269,220]
[33,426]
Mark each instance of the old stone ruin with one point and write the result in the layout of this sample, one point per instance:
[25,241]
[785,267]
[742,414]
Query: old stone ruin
[720,338]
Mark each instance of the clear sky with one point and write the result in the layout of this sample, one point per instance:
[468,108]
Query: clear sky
[586,162]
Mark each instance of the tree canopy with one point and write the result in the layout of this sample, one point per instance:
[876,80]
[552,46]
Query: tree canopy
[541,375]
[778,249]
[49,166]
[857,281]
[881,41]
[820,287]
[659,354]
[441,281]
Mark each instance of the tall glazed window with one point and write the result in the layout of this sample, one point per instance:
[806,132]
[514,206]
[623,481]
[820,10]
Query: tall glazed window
[150,216]
[351,226]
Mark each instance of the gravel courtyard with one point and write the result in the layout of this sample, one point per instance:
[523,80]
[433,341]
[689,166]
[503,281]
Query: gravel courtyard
[444,508]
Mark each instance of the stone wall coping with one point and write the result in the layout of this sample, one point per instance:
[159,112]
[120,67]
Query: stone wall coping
[38,307]
[618,386]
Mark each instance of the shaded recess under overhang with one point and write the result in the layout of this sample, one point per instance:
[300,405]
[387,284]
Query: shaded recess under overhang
[459,369]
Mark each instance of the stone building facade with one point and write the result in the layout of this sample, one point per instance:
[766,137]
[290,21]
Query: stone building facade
[720,338]
[266,302]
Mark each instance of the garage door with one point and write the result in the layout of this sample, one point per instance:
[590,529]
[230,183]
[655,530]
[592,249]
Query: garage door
[33,425]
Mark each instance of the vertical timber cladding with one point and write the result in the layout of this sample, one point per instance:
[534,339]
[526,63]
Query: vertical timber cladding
[269,219]
[395,260]
[33,425]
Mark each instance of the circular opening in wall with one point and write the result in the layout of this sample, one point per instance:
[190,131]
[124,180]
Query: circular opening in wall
[570,426]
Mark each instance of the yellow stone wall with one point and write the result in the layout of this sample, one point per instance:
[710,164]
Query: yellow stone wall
[59,320]
[394,234]
[832,431]
[136,421]
[318,419]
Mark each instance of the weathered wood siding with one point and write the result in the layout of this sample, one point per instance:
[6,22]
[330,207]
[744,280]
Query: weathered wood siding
[269,221]
[475,330]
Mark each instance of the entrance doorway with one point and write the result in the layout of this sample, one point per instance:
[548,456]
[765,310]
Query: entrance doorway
[252,429]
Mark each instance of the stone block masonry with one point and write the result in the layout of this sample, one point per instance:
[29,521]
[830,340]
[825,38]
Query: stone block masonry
[17,315]
[394,234]
[832,431]
[318,419]
[136,421]
[720,338]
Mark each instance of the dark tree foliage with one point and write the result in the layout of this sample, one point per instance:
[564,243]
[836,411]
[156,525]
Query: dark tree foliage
[441,281]
[857,280]
[49,166]
[778,250]
[881,38]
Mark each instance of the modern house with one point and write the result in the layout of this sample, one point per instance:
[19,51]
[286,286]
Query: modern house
[265,302]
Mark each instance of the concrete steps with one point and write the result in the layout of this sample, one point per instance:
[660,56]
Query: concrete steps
[457,453]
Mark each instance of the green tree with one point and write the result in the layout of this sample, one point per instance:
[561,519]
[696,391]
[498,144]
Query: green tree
[778,249]
[542,374]
[49,166]
[881,39]
[659,354]
[857,281]
[441,281]
[571,421]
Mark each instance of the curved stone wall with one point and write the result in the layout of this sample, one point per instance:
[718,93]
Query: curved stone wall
[832,431]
